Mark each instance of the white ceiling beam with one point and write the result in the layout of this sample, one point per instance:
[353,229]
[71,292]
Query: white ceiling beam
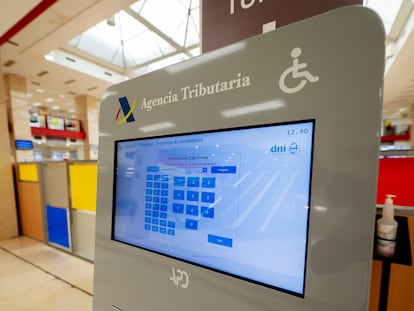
[156,30]
[64,21]
[142,65]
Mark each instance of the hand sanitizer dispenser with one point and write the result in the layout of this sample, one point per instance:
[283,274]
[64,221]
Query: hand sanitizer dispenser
[386,229]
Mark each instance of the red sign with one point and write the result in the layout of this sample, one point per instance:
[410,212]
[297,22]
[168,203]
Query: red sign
[228,21]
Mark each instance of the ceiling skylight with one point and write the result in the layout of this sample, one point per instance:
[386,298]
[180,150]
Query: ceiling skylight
[142,37]
[178,20]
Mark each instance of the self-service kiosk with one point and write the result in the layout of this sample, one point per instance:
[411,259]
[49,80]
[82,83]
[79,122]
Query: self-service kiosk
[245,179]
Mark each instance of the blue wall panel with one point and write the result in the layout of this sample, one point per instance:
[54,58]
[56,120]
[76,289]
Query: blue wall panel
[57,225]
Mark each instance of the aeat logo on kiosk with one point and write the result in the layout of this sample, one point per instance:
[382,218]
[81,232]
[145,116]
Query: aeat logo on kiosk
[127,110]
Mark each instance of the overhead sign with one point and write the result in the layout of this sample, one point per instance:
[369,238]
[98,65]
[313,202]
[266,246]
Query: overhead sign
[24,144]
[228,21]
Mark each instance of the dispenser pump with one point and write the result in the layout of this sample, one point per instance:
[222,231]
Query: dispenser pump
[388,210]
[387,229]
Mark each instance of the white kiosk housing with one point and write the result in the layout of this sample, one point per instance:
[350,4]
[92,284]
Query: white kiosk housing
[245,179]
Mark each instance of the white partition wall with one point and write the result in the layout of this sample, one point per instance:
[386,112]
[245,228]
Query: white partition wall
[245,179]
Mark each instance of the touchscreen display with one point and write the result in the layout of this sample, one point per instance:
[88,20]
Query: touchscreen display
[235,201]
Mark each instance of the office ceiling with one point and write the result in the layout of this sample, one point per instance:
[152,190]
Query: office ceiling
[52,52]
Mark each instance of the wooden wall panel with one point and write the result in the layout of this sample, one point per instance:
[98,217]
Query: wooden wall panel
[30,210]
[401,290]
[375,285]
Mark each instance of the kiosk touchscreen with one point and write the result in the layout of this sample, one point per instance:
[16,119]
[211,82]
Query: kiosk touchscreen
[220,199]
[245,179]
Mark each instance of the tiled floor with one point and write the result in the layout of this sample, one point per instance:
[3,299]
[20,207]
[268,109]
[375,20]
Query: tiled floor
[34,276]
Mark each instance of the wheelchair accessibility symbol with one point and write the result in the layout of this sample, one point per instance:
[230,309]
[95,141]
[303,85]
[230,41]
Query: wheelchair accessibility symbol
[296,72]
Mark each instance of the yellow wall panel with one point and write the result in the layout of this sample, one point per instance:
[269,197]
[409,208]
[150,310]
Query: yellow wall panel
[83,181]
[28,172]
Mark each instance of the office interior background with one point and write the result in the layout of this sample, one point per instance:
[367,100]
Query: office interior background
[60,64]
[57,64]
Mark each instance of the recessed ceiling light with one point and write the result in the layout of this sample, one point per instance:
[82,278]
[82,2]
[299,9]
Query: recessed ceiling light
[61,96]
[29,95]
[39,90]
[37,104]
[72,110]
[49,57]
[68,104]
[55,107]
[49,100]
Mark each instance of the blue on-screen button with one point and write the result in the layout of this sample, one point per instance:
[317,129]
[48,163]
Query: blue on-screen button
[223,169]
[153,169]
[219,240]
